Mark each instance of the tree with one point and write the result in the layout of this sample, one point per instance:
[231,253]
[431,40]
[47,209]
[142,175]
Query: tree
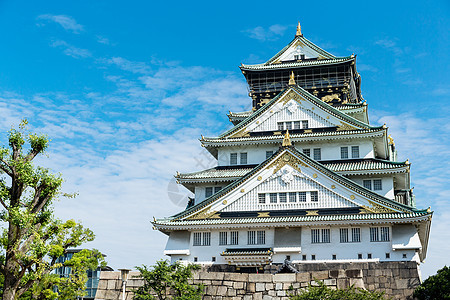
[164,279]
[321,291]
[435,287]
[32,238]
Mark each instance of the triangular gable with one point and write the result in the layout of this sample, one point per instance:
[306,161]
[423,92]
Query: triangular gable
[368,201]
[294,104]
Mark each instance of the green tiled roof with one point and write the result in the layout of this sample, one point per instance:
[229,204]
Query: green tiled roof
[248,251]
[216,173]
[295,64]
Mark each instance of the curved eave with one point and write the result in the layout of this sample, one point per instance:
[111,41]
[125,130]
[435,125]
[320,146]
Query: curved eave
[298,64]
[397,218]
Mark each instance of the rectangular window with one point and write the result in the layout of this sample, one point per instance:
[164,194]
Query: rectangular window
[385,234]
[223,238]
[317,154]
[273,197]
[359,255]
[333,256]
[234,238]
[302,197]
[356,235]
[243,158]
[251,237]
[292,197]
[374,235]
[217,189]
[344,152]
[307,152]
[213,258]
[283,197]
[233,159]
[355,151]
[313,257]
[289,125]
[261,198]
[314,196]
[367,184]
[297,125]
[197,238]
[195,259]
[325,235]
[304,257]
[388,255]
[315,236]
[261,237]
[305,124]
[208,192]
[369,255]
[343,235]
[377,185]
[269,154]
[206,238]
[280,126]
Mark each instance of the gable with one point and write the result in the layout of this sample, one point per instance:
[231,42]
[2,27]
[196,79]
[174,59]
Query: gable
[296,50]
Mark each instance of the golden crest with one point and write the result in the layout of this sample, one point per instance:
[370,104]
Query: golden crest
[344,127]
[241,133]
[287,159]
[204,214]
[312,212]
[265,214]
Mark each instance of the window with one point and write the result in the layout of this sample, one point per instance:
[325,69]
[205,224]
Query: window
[269,154]
[355,151]
[223,238]
[305,124]
[288,125]
[261,237]
[359,255]
[251,237]
[292,197]
[283,198]
[202,239]
[343,235]
[234,238]
[297,125]
[367,184]
[288,257]
[243,158]
[344,152]
[313,257]
[280,125]
[208,192]
[233,158]
[356,235]
[320,236]
[317,154]
[197,238]
[404,255]
[377,185]
[195,259]
[302,196]
[369,255]
[388,255]
[375,235]
[206,238]
[273,197]
[307,152]
[385,234]
[213,258]
[314,196]
[333,257]
[304,257]
[261,198]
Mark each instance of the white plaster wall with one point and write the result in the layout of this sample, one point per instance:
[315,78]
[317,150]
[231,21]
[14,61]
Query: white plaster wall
[200,190]
[322,251]
[387,184]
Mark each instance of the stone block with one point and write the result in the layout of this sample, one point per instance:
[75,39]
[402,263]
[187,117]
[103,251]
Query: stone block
[211,275]
[281,293]
[304,284]
[284,277]
[278,286]
[303,277]
[112,294]
[221,290]
[109,275]
[288,285]
[211,290]
[357,282]
[342,283]
[238,285]
[329,281]
[207,297]
[355,273]
[102,285]
[231,292]
[257,296]
[260,277]
[100,294]
[228,283]
[247,297]
[319,275]
[402,283]
[267,297]
[251,287]
[296,285]
[111,285]
[260,286]
[269,286]
[235,277]
[272,293]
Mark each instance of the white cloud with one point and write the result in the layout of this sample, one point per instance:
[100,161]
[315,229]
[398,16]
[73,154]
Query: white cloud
[266,34]
[70,50]
[66,22]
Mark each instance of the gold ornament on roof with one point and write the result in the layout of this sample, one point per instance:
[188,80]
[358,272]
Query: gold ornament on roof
[299,30]
[292,79]
[391,140]
[287,139]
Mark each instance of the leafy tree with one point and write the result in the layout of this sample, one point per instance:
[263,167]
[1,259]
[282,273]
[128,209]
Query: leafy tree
[31,238]
[164,279]
[321,291]
[435,287]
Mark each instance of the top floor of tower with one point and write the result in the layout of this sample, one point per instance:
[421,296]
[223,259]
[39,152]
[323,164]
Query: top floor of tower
[330,78]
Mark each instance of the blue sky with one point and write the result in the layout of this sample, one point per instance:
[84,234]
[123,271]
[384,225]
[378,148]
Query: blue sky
[125,89]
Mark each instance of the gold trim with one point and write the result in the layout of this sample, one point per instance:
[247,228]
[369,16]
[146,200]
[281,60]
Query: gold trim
[265,214]
[352,197]
[291,95]
[242,191]
[259,178]
[287,159]
[308,131]
[224,202]
[241,133]
[204,214]
[312,212]
[277,133]
[314,175]
[377,208]
[333,186]
[345,126]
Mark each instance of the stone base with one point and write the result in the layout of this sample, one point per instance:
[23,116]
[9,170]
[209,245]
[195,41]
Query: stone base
[396,279]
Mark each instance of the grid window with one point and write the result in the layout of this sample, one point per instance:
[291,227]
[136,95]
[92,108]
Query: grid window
[377,185]
[325,235]
[273,197]
[213,258]
[197,238]
[343,235]
[305,124]
[307,152]
[374,234]
[404,255]
[314,196]
[260,237]
[261,198]
[269,154]
[292,197]
[384,234]
[317,154]
[289,125]
[206,238]
[344,152]
[367,184]
[355,151]
[315,236]
[217,189]
[251,237]
[223,238]
[297,125]
[233,158]
[234,238]
[283,197]
[243,158]
[356,235]
[280,126]
[208,192]
[302,196]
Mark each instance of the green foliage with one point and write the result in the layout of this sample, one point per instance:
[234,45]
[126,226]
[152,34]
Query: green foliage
[31,238]
[164,279]
[321,291]
[435,287]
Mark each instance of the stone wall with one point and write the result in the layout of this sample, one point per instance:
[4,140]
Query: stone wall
[397,279]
